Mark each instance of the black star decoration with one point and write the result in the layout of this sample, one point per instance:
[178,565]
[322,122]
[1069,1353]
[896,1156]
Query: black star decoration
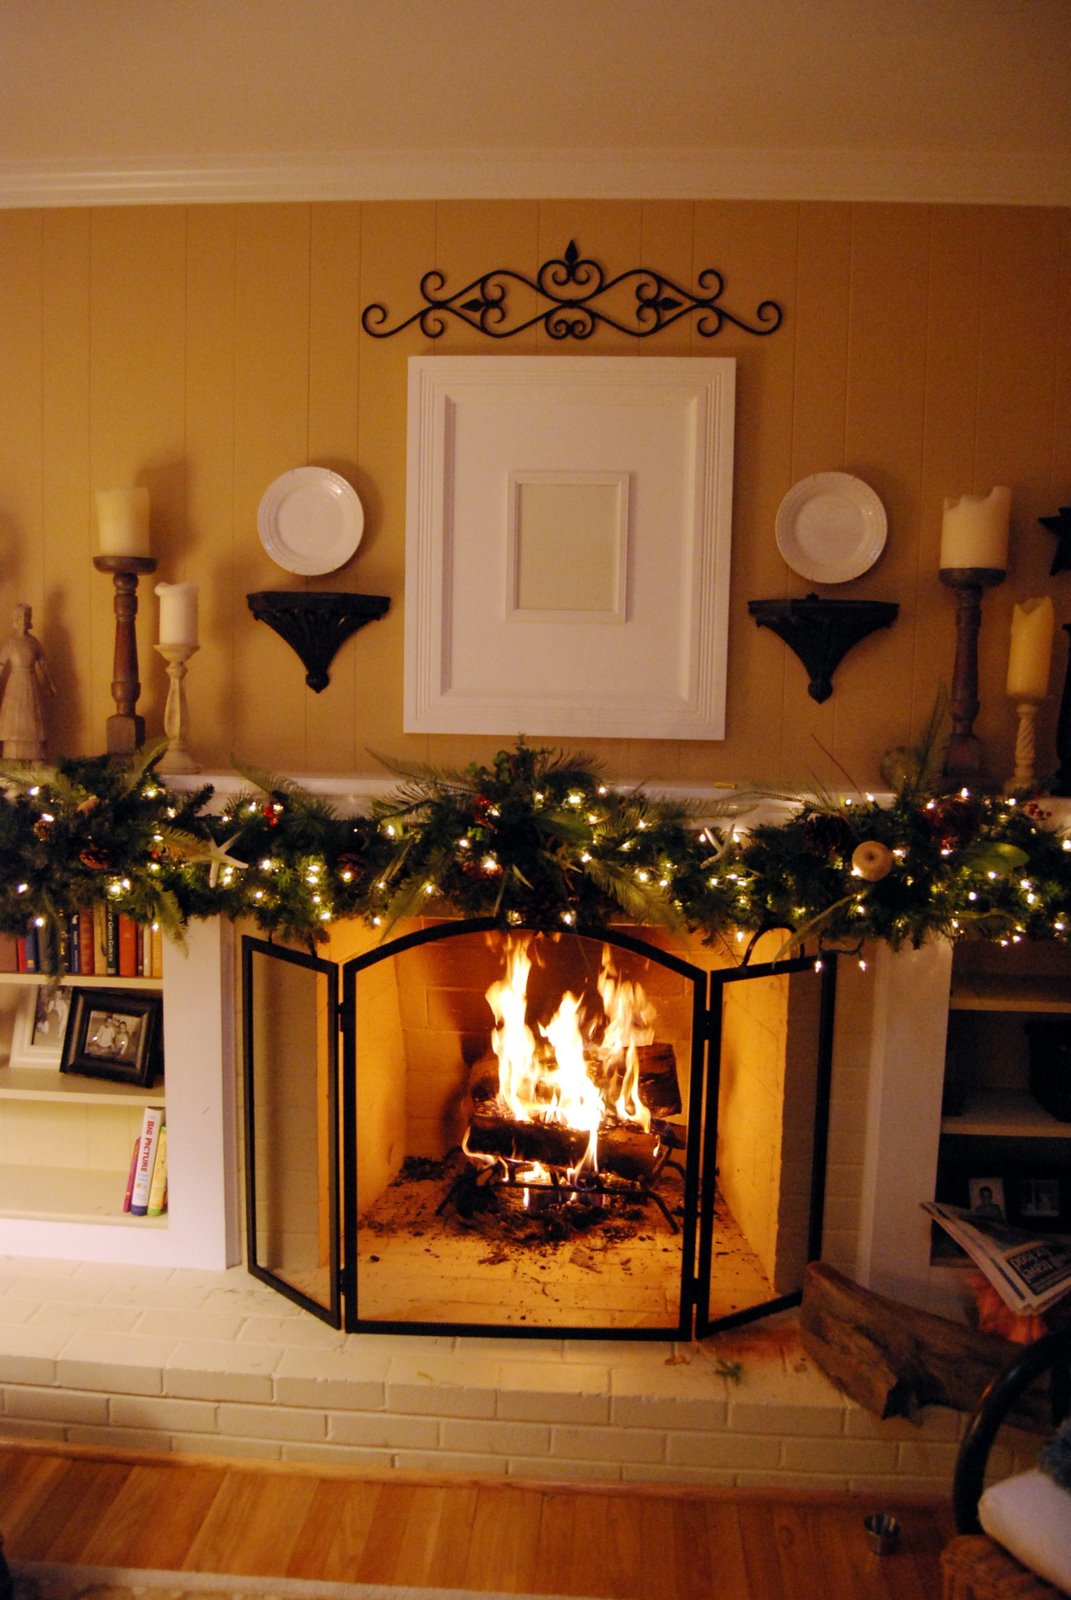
[1060,525]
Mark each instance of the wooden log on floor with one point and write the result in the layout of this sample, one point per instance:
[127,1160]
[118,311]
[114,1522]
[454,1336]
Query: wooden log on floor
[894,1359]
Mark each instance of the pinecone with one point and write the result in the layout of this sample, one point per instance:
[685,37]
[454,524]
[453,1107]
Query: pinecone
[827,834]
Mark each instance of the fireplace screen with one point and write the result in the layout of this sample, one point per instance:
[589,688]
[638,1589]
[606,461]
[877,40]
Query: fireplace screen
[533,1133]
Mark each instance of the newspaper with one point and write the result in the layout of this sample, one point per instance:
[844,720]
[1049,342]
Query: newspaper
[1028,1271]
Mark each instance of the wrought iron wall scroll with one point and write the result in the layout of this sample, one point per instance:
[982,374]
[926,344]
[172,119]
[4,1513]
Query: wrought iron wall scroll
[581,299]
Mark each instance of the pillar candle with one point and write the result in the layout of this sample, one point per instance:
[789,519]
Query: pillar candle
[1030,657]
[123,522]
[178,613]
[974,532]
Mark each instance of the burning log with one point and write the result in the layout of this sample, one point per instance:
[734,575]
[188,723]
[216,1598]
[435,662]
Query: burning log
[625,1151]
[659,1088]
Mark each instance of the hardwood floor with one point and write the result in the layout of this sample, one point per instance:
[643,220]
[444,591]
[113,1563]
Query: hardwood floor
[636,1542]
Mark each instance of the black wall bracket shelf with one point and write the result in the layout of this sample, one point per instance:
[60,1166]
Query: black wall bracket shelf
[821,632]
[315,623]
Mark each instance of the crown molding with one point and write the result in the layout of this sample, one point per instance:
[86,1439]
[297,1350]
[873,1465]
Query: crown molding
[931,177]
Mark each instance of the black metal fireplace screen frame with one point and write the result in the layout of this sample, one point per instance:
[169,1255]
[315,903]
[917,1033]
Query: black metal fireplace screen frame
[337,1300]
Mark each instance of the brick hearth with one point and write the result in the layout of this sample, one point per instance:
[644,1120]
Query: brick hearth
[214,1363]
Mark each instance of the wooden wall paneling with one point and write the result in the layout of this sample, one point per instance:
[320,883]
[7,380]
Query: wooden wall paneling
[950,407]
[884,447]
[21,464]
[1014,440]
[69,530]
[398,245]
[754,247]
[472,238]
[334,387]
[137,411]
[271,437]
[204,552]
[820,333]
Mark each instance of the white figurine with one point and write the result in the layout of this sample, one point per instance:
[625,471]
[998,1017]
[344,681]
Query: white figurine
[23,675]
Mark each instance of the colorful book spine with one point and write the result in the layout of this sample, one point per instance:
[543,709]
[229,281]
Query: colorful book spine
[156,952]
[29,955]
[129,1195]
[151,1122]
[87,944]
[111,942]
[127,938]
[9,953]
[158,1186]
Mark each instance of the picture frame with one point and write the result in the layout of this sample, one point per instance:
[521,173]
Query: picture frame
[40,1026]
[114,1034]
[568,533]
[987,1200]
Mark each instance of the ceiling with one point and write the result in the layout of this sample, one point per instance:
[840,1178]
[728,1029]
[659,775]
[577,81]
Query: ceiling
[127,100]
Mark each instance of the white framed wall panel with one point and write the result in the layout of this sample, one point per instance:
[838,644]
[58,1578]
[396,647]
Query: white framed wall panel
[614,472]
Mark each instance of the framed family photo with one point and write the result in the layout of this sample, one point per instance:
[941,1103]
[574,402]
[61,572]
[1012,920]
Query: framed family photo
[41,1027]
[114,1033]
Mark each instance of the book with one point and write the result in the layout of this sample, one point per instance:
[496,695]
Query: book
[1030,1272]
[87,944]
[28,954]
[156,952]
[9,952]
[110,945]
[151,1122]
[127,1197]
[158,1186]
[127,943]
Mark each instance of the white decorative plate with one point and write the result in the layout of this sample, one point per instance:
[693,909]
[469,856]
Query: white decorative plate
[831,527]
[310,520]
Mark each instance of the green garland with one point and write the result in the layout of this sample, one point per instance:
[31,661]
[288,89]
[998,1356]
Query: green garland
[536,838]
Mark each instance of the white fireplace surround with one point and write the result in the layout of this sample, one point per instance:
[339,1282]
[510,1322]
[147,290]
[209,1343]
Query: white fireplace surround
[884,1121]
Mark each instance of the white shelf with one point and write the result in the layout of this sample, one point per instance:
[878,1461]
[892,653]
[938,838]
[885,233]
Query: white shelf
[72,980]
[66,1194]
[47,1083]
[1005,1113]
[1044,996]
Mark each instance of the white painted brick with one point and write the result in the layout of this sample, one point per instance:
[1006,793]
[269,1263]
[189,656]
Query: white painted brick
[383,1430]
[939,1423]
[831,1483]
[103,1357]
[14,1310]
[271,1422]
[346,1378]
[15,1428]
[923,1458]
[609,1444]
[263,1328]
[175,1323]
[83,1318]
[496,1438]
[118,1438]
[731,1452]
[28,1359]
[439,1400]
[221,1371]
[628,1411]
[784,1420]
[519,1353]
[340,1455]
[551,1405]
[653,1472]
[55,1405]
[130,1411]
[839,1455]
[54,1289]
[449,1461]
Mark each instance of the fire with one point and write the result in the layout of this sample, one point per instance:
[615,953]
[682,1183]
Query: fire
[582,1068]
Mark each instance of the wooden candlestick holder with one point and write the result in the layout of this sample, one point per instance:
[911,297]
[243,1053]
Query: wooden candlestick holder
[176,758]
[125,730]
[964,766]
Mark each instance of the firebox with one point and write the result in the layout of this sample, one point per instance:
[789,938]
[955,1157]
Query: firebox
[475,1129]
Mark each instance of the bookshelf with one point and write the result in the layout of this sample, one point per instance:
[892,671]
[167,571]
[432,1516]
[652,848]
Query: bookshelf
[66,1140]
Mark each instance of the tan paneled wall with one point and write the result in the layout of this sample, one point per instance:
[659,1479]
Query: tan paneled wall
[203,351]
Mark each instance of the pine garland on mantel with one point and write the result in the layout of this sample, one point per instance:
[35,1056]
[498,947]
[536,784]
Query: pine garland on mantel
[539,838]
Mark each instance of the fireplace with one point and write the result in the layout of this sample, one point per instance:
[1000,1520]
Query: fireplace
[472,1129]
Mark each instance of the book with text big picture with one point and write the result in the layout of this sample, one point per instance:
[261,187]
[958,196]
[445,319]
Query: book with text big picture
[151,1123]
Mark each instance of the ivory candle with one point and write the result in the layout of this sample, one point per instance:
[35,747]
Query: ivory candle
[1030,657]
[123,522]
[974,531]
[178,613]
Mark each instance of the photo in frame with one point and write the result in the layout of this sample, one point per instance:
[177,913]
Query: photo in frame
[986,1199]
[40,1026]
[115,1034]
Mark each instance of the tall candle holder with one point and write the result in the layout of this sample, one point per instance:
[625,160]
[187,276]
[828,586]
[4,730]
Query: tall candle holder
[125,731]
[964,766]
[176,758]
[1024,779]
